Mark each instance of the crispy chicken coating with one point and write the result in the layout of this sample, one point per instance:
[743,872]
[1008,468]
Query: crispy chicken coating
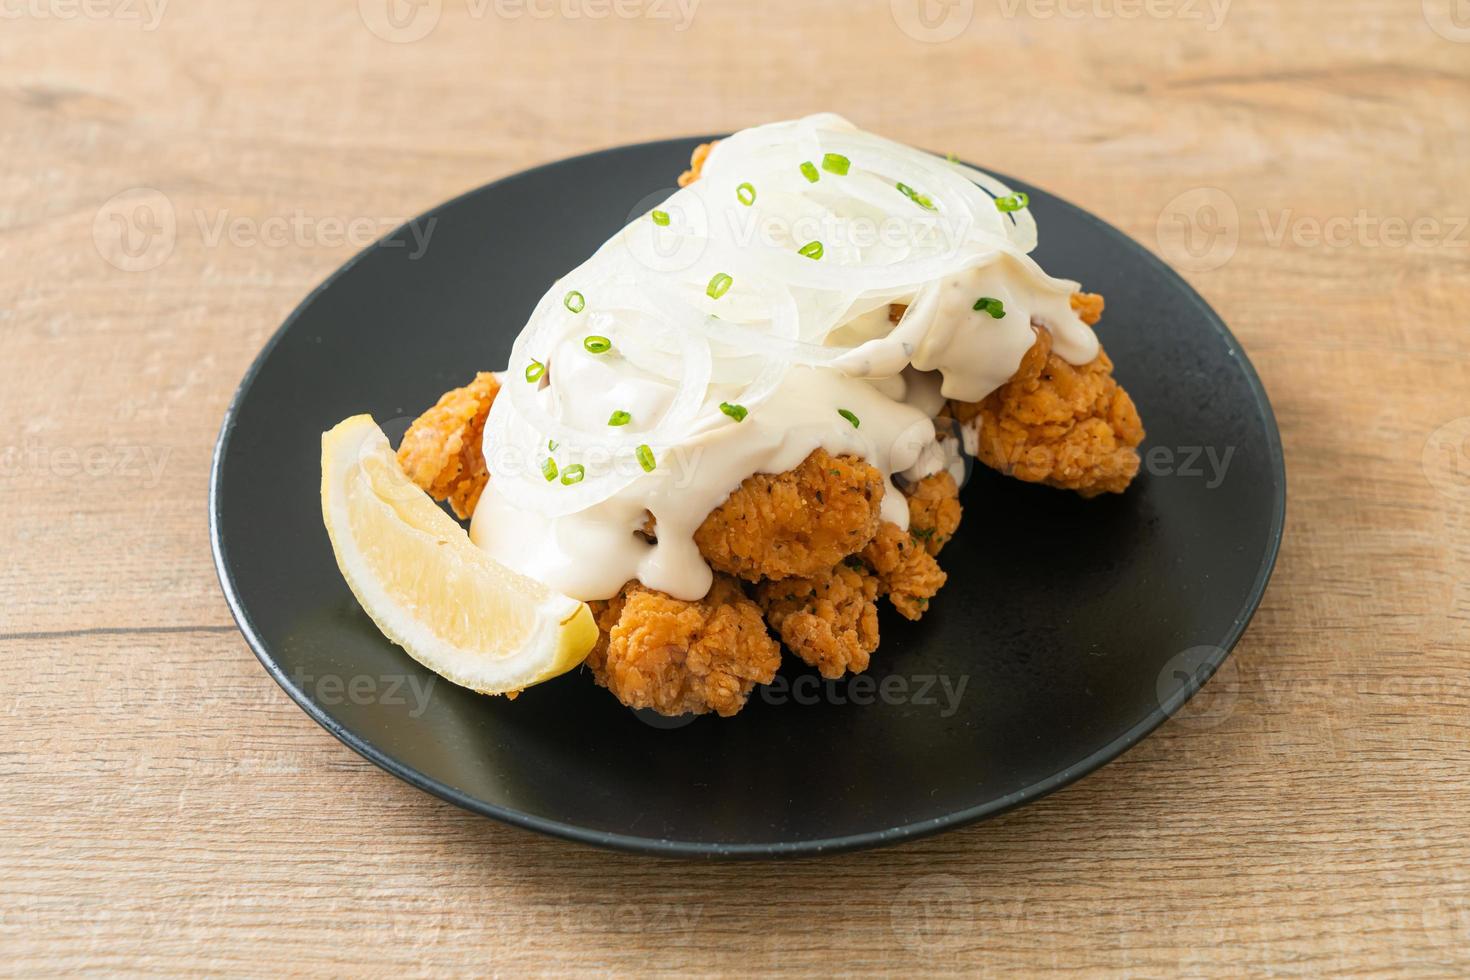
[829,620]
[696,163]
[1088,307]
[795,523]
[1059,424]
[934,511]
[1055,423]
[441,451]
[905,570]
[681,657]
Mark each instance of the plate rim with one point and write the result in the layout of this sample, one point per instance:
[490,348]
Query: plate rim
[665,847]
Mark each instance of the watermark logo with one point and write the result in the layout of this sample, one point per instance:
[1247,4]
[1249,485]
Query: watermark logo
[1210,13]
[400,21]
[685,226]
[675,244]
[1199,230]
[136,230]
[406,21]
[679,12]
[148,14]
[1211,691]
[941,692]
[1205,463]
[933,914]
[1446,459]
[390,690]
[1363,230]
[302,230]
[1450,19]
[932,21]
[141,464]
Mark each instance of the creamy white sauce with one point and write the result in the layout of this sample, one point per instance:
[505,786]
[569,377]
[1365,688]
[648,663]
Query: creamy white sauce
[794,340]
[972,350]
[592,553]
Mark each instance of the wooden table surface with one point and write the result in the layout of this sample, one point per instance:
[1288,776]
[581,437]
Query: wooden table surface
[176,176]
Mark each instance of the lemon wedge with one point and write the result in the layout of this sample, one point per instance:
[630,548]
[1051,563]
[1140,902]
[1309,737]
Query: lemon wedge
[454,609]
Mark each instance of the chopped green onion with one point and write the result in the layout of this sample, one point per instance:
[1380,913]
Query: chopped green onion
[849,416]
[575,301]
[548,469]
[645,458]
[661,218]
[746,193]
[535,370]
[991,305]
[836,163]
[619,417]
[736,412]
[1013,203]
[573,474]
[596,344]
[719,285]
[922,200]
[809,171]
[551,445]
[812,250]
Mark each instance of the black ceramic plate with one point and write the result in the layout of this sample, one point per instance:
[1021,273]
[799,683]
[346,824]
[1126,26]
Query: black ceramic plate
[1069,629]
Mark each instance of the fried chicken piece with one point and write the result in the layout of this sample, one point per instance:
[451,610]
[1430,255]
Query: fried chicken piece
[1088,307]
[680,657]
[696,163]
[934,511]
[905,570]
[795,523]
[441,452]
[1060,424]
[829,620]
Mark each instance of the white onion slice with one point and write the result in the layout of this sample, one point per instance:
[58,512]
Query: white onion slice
[646,289]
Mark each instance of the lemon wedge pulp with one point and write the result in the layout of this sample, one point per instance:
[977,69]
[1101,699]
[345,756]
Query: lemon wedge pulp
[429,589]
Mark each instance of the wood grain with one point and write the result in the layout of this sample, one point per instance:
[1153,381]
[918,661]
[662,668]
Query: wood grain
[166,809]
